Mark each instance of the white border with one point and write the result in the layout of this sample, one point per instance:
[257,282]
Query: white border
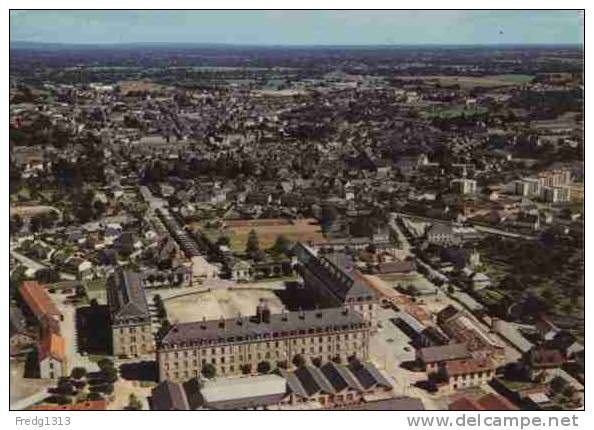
[283,420]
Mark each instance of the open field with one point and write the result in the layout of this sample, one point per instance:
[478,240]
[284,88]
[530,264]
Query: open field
[453,111]
[219,303]
[268,230]
[127,86]
[473,81]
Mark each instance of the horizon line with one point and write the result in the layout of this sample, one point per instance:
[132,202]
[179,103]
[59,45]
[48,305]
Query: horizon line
[272,45]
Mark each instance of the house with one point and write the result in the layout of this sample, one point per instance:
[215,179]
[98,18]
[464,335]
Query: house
[241,271]
[479,281]
[466,373]
[434,357]
[51,357]
[442,234]
[38,301]
[397,266]
[540,359]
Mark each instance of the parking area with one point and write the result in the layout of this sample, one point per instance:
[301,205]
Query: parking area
[396,341]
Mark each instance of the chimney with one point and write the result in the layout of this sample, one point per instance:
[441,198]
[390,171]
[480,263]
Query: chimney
[203,325]
[301,314]
[284,315]
[221,322]
[239,319]
[345,310]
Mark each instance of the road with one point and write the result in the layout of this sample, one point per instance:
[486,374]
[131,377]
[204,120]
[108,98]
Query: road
[483,229]
[28,262]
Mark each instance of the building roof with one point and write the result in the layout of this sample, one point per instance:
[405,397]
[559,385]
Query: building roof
[394,404]
[169,396]
[368,376]
[465,403]
[284,324]
[127,299]
[466,366]
[52,345]
[495,402]
[396,266]
[436,354]
[89,405]
[244,392]
[38,300]
[337,272]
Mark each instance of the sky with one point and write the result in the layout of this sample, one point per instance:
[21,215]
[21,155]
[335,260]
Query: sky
[299,27]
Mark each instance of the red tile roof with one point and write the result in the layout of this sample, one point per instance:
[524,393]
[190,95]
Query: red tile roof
[38,300]
[495,402]
[90,405]
[52,345]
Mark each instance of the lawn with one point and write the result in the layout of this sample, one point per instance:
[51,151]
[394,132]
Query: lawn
[268,230]
[469,82]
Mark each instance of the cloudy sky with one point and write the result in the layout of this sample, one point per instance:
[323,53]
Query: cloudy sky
[299,27]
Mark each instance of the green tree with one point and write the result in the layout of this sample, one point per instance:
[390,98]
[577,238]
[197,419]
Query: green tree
[281,245]
[78,373]
[209,371]
[298,360]
[134,404]
[252,246]
[263,367]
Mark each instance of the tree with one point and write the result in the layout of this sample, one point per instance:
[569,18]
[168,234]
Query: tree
[317,361]
[298,360]
[329,215]
[263,367]
[78,372]
[281,244]
[246,369]
[16,224]
[134,404]
[252,246]
[209,371]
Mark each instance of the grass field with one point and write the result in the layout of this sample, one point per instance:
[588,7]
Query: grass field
[474,81]
[126,86]
[454,111]
[267,230]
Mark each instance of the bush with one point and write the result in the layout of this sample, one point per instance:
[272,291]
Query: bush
[246,369]
[78,373]
[263,367]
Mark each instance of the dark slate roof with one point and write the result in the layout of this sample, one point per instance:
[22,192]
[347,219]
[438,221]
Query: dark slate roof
[293,383]
[237,329]
[127,298]
[169,396]
[337,272]
[313,380]
[368,376]
[339,377]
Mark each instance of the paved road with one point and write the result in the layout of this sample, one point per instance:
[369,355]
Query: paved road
[29,401]
[31,264]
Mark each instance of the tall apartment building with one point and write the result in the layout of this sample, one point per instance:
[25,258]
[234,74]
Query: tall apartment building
[554,178]
[130,318]
[556,194]
[236,346]
[333,281]
[528,187]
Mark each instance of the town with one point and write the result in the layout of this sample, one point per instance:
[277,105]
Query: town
[271,228]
